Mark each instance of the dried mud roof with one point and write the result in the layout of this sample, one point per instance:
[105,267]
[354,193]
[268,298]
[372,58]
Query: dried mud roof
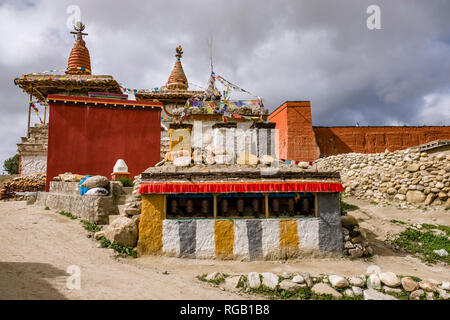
[203,172]
[41,85]
[167,95]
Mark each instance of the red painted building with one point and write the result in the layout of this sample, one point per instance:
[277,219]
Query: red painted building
[88,135]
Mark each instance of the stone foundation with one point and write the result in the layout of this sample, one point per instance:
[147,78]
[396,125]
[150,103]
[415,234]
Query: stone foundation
[65,196]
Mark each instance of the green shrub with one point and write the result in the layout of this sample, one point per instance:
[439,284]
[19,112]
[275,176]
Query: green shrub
[11,165]
[125,250]
[422,244]
[91,227]
[345,207]
[125,182]
[68,214]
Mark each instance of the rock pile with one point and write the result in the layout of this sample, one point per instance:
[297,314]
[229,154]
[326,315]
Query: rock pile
[133,206]
[31,183]
[374,286]
[355,243]
[405,176]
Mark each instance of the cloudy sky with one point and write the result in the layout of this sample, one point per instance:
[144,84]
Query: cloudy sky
[281,50]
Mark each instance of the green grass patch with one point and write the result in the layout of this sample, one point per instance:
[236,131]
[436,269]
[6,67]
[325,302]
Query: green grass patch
[345,207]
[447,208]
[404,295]
[214,281]
[91,227]
[68,214]
[125,250]
[125,182]
[397,221]
[446,229]
[422,244]
[47,208]
[373,203]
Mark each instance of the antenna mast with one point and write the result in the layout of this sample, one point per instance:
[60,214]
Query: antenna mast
[210,43]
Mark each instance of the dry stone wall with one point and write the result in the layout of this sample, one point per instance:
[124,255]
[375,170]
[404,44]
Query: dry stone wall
[406,176]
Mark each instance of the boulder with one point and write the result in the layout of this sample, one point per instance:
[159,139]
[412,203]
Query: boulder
[323,288]
[358,282]
[95,182]
[374,281]
[441,252]
[357,291]
[417,294]
[338,281]
[270,280]
[349,221]
[442,293]
[182,161]
[427,286]
[415,196]
[290,285]
[372,294]
[298,279]
[253,280]
[99,235]
[122,231]
[390,279]
[214,276]
[389,289]
[349,292]
[409,284]
[308,279]
[232,282]
[445,285]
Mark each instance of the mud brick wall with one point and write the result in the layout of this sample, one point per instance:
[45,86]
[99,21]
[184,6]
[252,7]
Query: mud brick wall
[337,140]
[297,140]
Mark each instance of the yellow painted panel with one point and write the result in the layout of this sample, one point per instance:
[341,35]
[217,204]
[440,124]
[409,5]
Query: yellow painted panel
[224,238]
[288,234]
[151,224]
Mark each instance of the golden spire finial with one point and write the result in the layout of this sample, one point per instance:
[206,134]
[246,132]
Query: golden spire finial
[179,51]
[79,28]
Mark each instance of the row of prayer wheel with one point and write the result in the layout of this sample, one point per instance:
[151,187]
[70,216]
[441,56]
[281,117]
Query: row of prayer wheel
[240,204]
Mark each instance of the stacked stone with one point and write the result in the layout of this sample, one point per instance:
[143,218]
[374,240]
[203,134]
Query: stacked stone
[31,183]
[405,176]
[134,205]
[355,243]
[371,286]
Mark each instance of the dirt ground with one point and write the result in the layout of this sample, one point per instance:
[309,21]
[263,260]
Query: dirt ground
[37,247]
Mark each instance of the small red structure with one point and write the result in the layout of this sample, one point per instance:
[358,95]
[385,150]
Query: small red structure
[88,135]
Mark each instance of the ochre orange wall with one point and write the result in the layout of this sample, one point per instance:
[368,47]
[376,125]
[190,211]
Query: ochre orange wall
[89,140]
[300,141]
[336,140]
[296,136]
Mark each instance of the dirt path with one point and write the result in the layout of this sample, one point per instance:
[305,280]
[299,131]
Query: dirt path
[37,246]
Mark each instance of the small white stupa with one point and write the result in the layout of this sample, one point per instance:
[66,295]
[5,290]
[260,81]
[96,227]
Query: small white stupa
[120,167]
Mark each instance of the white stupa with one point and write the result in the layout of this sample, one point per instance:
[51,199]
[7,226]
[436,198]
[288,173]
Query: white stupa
[120,167]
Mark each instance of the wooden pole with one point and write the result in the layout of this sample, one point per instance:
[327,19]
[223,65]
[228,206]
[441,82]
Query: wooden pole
[45,114]
[29,115]
[266,204]
[215,205]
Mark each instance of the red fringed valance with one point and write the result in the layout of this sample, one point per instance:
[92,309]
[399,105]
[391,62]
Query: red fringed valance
[225,187]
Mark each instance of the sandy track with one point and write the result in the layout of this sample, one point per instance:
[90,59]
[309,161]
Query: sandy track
[37,246]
